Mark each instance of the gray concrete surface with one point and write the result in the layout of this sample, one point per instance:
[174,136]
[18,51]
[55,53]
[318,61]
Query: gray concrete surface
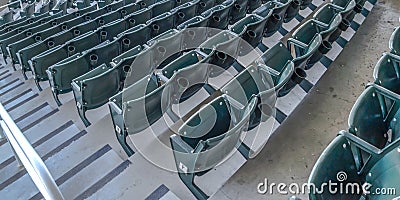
[290,154]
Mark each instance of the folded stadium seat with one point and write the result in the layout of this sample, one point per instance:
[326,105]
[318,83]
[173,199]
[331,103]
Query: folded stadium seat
[5,42]
[277,58]
[184,12]
[223,49]
[336,158]
[344,6]
[253,5]
[104,3]
[94,88]
[111,30]
[394,42]
[166,47]
[257,80]
[108,17]
[161,7]
[61,74]
[28,10]
[275,19]
[386,72]
[161,24]
[327,15]
[133,37]
[29,52]
[141,88]
[373,117]
[19,29]
[219,16]
[292,10]
[93,14]
[251,30]
[360,163]
[123,62]
[205,5]
[194,32]
[115,5]
[140,17]
[143,110]
[187,59]
[238,11]
[208,138]
[41,62]
[3,27]
[305,49]
[194,78]
[307,31]
[128,9]
[7,17]
[16,46]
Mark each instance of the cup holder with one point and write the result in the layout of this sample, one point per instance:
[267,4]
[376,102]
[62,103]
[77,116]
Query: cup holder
[299,75]
[54,23]
[132,22]
[93,59]
[251,33]
[38,38]
[183,82]
[101,22]
[77,32]
[64,27]
[71,50]
[216,18]
[103,35]
[181,15]
[156,27]
[28,33]
[126,68]
[143,4]
[221,56]
[161,50]
[202,4]
[325,47]
[50,44]
[344,25]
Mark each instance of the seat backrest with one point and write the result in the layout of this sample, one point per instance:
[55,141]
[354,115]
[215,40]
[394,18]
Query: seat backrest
[135,36]
[371,115]
[166,47]
[387,72]
[161,24]
[65,71]
[98,89]
[141,67]
[107,18]
[215,130]
[143,111]
[140,16]
[44,60]
[306,32]
[111,30]
[161,7]
[83,42]
[102,54]
[186,60]
[336,158]
[185,12]
[326,14]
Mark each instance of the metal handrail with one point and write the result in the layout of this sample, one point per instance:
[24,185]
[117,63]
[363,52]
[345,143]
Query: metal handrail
[27,157]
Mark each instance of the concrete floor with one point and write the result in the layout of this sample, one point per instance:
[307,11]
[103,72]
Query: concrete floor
[290,154]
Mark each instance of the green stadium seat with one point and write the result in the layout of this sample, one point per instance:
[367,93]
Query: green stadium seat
[304,51]
[145,86]
[394,42]
[279,59]
[276,18]
[166,47]
[194,32]
[205,5]
[186,60]
[251,30]
[94,88]
[292,10]
[108,18]
[307,31]
[123,62]
[207,138]
[140,17]
[253,5]
[161,7]
[223,49]
[135,36]
[7,17]
[336,158]
[143,108]
[40,63]
[373,116]
[28,10]
[184,12]
[219,15]
[61,74]
[386,72]
[345,7]
[257,80]
[161,24]
[238,11]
